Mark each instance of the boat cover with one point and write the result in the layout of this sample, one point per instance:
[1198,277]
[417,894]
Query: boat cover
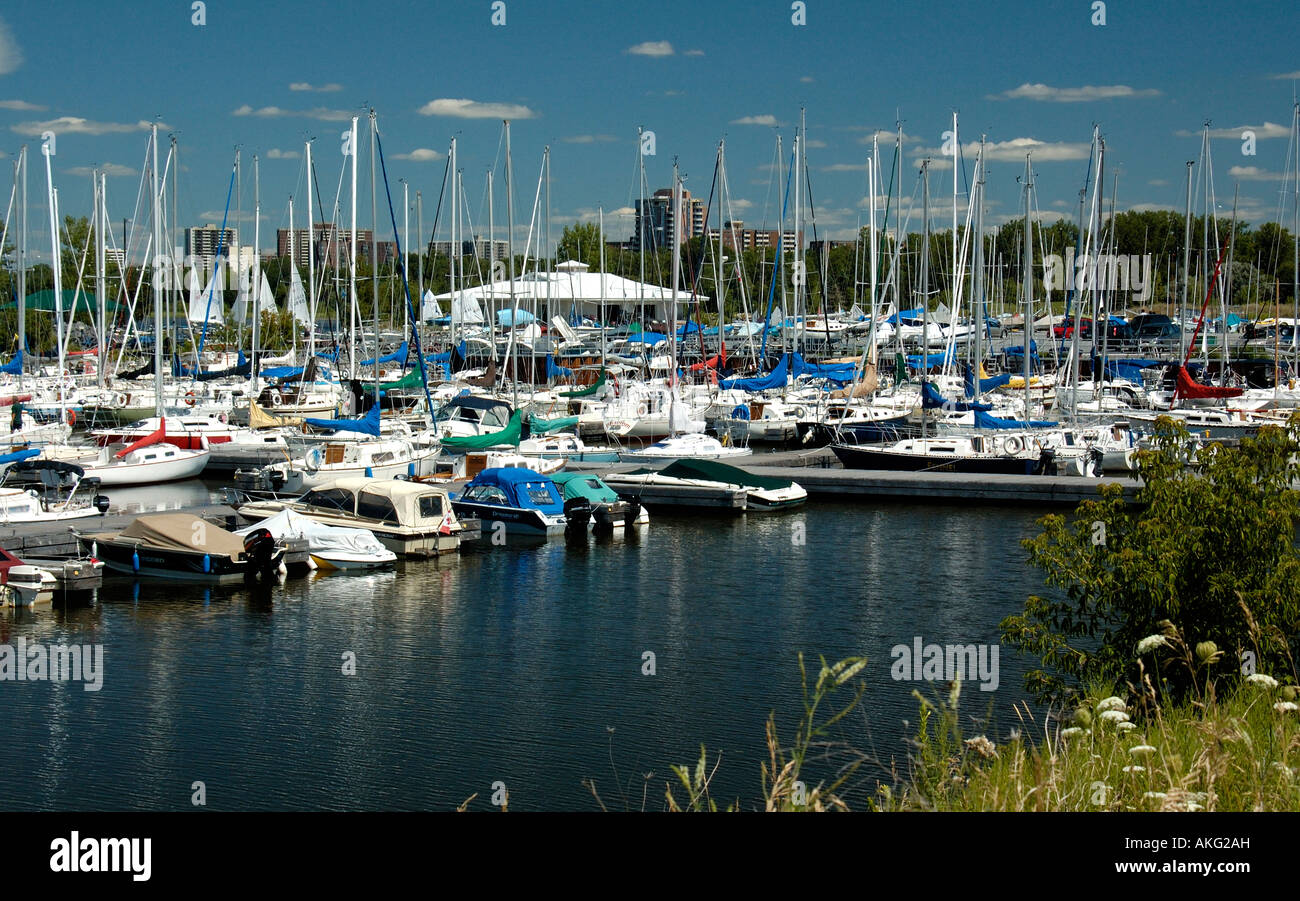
[773,380]
[985,421]
[509,435]
[525,489]
[1189,387]
[584,485]
[321,539]
[539,426]
[184,532]
[713,471]
[365,425]
[588,391]
[14,366]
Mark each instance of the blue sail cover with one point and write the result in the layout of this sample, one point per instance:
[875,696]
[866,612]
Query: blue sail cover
[555,371]
[989,384]
[906,314]
[282,372]
[772,381]
[397,356]
[446,357]
[931,360]
[648,338]
[14,366]
[6,459]
[985,421]
[507,318]
[1129,369]
[366,425]
[931,399]
[838,372]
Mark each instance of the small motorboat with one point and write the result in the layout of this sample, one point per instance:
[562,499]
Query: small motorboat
[762,492]
[331,547]
[63,492]
[184,546]
[26,585]
[590,503]
[522,501]
[693,445]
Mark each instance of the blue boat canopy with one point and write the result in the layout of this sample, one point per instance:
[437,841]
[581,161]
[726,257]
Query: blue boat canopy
[931,399]
[988,384]
[397,356]
[770,382]
[985,421]
[14,366]
[522,488]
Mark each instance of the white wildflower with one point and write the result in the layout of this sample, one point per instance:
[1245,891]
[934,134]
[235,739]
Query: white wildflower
[1262,681]
[1150,643]
[1286,707]
[1142,750]
[1071,732]
[1111,703]
[1126,727]
[1134,768]
[1114,716]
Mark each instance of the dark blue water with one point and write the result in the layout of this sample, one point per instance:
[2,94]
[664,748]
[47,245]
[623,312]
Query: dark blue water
[522,665]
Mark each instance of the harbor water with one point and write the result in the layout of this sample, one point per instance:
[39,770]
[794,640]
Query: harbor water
[543,667]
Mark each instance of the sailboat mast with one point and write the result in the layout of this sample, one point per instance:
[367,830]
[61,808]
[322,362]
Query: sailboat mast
[352,263]
[56,263]
[311,267]
[22,267]
[293,272]
[977,271]
[406,243]
[600,213]
[1026,278]
[157,294]
[101,277]
[510,252]
[257,270]
[453,249]
[925,290]
[374,252]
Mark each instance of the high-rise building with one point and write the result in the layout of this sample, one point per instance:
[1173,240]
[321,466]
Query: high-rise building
[201,243]
[480,247]
[735,235]
[333,245]
[658,226]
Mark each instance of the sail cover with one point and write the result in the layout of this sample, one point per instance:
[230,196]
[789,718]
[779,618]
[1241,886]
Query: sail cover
[509,435]
[365,425]
[985,421]
[770,382]
[1189,387]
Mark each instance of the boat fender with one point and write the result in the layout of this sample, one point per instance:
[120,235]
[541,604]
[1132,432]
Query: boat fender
[207,563]
[135,561]
[312,461]
[410,470]
[1012,446]
[369,473]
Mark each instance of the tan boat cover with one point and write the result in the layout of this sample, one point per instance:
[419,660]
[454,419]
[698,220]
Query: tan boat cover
[184,532]
[258,418]
[862,388]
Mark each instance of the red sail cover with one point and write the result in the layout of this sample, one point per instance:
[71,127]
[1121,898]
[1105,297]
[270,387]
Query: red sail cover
[1189,387]
[152,438]
[713,362]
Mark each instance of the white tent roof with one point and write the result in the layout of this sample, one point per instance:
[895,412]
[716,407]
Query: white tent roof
[572,283]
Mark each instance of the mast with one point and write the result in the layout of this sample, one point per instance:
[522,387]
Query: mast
[641,222]
[672,316]
[1026,277]
[873,186]
[101,279]
[419,254]
[374,252]
[406,241]
[57,265]
[799,276]
[157,294]
[510,252]
[1295,239]
[977,268]
[600,213]
[452,255]
[311,267]
[257,269]
[293,272]
[1187,263]
[352,264]
[22,268]
[925,291]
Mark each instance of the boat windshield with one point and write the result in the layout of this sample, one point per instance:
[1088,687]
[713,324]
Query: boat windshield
[329,499]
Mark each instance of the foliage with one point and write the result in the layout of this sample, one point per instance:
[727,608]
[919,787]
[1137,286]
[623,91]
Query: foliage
[1209,547]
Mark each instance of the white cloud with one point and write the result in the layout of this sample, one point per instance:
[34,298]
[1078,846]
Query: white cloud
[1254,173]
[1153,208]
[651,48]
[765,119]
[474,109]
[1073,95]
[694,53]
[1158,182]
[886,137]
[623,211]
[807,79]
[109,169]
[845,167]
[276,112]
[589,139]
[1013,150]
[1286,76]
[420,155]
[742,204]
[22,105]
[11,55]
[276,154]
[1267,130]
[814,144]
[322,89]
[75,125]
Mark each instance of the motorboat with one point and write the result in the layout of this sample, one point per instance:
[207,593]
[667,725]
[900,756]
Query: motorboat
[520,500]
[589,503]
[331,547]
[695,445]
[184,546]
[413,519]
[63,493]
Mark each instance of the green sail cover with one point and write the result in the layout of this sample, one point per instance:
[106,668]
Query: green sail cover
[713,471]
[410,380]
[509,435]
[539,426]
[588,391]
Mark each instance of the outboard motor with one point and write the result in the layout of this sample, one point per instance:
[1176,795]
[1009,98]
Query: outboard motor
[1096,456]
[604,519]
[101,503]
[577,513]
[1046,463]
[260,548]
[632,512]
[275,479]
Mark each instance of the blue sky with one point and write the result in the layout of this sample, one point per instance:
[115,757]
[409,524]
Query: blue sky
[582,76]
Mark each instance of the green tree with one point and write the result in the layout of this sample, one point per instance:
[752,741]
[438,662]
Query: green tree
[1210,550]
